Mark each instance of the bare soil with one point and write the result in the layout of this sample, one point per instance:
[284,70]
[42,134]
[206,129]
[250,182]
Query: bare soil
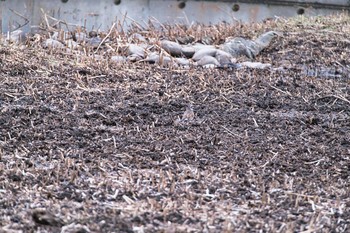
[93,146]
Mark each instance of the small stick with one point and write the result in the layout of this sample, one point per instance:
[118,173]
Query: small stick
[63,22]
[285,92]
[105,38]
[122,23]
[18,14]
[231,133]
[341,98]
[337,97]
[47,21]
[134,21]
[9,95]
[162,25]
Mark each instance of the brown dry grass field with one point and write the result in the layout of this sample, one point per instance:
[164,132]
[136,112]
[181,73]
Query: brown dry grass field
[88,145]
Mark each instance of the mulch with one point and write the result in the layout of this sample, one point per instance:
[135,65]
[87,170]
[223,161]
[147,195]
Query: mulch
[87,145]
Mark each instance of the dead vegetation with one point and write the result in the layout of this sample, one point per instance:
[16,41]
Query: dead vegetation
[88,145]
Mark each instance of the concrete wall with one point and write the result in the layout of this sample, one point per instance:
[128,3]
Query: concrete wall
[102,13]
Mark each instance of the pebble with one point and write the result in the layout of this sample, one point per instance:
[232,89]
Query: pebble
[224,57]
[199,46]
[94,41]
[118,59]
[71,44]
[255,65]
[208,60]
[182,61]
[185,40]
[93,34]
[53,44]
[54,36]
[80,37]
[136,50]
[207,40]
[134,58]
[166,61]
[136,37]
[188,51]
[17,36]
[97,57]
[209,66]
[152,58]
[158,59]
[173,48]
[204,52]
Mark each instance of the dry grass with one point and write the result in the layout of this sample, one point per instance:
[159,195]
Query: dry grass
[90,145]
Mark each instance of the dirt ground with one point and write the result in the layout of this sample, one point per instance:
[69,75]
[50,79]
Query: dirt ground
[98,147]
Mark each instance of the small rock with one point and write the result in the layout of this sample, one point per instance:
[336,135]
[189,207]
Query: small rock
[17,36]
[207,40]
[188,51]
[158,59]
[209,66]
[204,52]
[72,44]
[134,58]
[230,66]
[208,60]
[182,61]
[153,40]
[93,34]
[136,37]
[53,44]
[97,57]
[54,36]
[284,63]
[80,37]
[224,57]
[136,50]
[188,115]
[166,61]
[185,39]
[199,46]
[152,58]
[94,41]
[75,228]
[173,48]
[118,59]
[255,65]
[44,217]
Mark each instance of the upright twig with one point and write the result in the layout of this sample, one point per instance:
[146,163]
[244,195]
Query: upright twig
[22,16]
[105,38]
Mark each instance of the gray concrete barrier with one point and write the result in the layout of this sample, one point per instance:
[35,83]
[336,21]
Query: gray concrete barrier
[100,14]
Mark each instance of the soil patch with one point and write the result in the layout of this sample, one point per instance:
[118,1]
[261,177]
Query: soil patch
[94,147]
